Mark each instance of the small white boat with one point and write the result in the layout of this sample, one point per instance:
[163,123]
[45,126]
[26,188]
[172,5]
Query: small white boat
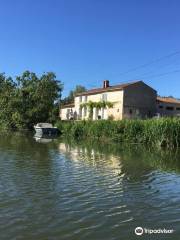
[45,129]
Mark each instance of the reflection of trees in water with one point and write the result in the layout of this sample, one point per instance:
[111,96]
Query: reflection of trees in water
[131,161]
[27,167]
[134,162]
[25,151]
[138,158]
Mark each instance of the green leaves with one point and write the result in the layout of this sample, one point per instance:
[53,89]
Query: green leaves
[164,132]
[28,100]
[72,94]
[98,105]
[90,105]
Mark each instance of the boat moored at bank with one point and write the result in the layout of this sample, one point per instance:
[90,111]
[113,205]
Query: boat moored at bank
[45,129]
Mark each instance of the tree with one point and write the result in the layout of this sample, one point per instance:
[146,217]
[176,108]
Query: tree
[7,99]
[72,94]
[30,100]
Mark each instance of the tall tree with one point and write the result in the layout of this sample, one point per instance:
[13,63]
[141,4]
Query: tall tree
[72,94]
[30,100]
[7,98]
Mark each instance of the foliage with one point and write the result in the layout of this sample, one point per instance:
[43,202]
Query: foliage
[72,94]
[7,101]
[101,104]
[164,132]
[28,100]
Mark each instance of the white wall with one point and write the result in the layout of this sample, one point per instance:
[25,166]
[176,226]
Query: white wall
[116,97]
[63,112]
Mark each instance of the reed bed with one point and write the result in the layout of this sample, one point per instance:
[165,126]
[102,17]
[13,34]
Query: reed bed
[164,132]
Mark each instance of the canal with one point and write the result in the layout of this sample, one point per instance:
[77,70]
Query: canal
[62,189]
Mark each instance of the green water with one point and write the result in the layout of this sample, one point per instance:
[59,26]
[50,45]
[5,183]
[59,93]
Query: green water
[67,190]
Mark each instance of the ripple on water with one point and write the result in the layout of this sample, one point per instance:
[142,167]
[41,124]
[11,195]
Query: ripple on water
[57,191]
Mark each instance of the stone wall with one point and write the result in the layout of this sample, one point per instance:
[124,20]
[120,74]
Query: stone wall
[139,101]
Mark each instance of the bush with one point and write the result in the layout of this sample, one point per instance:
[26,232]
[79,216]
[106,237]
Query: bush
[163,132]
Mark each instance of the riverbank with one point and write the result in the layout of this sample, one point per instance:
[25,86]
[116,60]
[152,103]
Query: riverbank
[164,132]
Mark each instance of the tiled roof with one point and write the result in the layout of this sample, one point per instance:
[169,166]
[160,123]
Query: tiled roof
[168,100]
[108,89]
[70,105]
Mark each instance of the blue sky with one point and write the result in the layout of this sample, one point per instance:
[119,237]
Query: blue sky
[86,41]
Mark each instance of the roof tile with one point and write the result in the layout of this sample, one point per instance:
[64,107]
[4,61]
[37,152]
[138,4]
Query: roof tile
[108,89]
[168,100]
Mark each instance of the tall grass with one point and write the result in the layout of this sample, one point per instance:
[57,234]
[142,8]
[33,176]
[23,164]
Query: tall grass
[161,132]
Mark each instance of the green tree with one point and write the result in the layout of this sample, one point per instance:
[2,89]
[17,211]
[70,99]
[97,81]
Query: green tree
[7,99]
[72,94]
[29,100]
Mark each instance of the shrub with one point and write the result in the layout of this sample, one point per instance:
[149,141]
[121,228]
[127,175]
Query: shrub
[164,132]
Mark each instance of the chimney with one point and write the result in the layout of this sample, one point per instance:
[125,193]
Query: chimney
[105,83]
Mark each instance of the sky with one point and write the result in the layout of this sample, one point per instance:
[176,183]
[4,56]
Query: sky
[87,41]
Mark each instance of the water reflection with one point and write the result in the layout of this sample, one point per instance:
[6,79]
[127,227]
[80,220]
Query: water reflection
[64,189]
[132,161]
[43,140]
[141,183]
[91,157]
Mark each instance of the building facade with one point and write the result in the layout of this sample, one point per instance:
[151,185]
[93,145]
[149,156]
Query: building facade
[67,112]
[129,100]
[168,107]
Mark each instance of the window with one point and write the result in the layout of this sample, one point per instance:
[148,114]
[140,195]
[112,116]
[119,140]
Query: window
[80,99]
[137,111]
[85,111]
[169,108]
[130,111]
[68,114]
[85,98]
[104,97]
[160,106]
[178,108]
[102,113]
[80,113]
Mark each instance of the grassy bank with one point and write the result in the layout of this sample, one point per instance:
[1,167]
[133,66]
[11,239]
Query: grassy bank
[160,132]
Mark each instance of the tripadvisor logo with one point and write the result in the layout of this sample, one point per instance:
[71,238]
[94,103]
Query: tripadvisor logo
[140,231]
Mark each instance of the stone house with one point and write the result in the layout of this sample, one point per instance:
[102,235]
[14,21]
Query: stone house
[129,100]
[168,107]
[67,112]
